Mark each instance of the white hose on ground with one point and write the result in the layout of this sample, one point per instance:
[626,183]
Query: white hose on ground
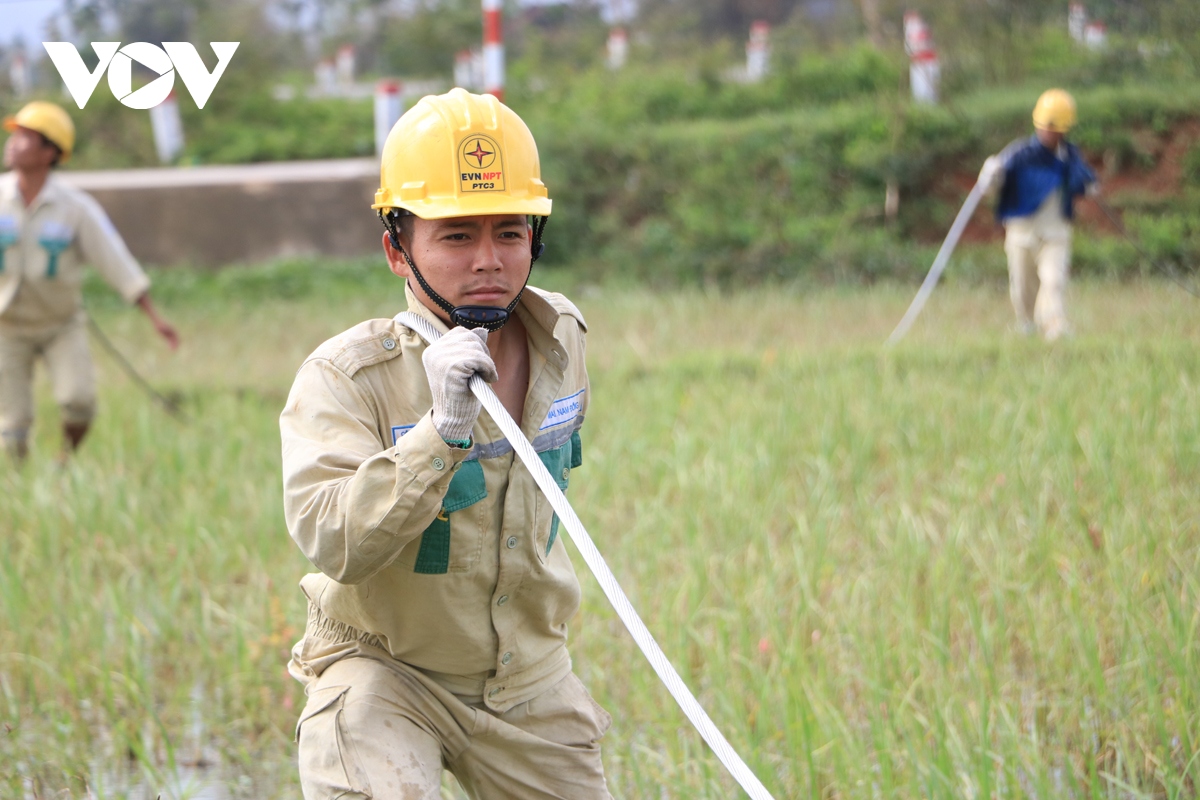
[608,582]
[939,263]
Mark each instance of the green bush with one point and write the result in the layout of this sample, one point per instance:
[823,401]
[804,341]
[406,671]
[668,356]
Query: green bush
[784,195]
[233,128]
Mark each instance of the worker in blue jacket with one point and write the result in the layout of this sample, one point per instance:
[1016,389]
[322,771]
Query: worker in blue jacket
[1038,179]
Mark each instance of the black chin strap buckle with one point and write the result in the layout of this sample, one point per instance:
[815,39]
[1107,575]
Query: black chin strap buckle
[491,318]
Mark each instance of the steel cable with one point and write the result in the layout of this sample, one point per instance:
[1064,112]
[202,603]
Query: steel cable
[1120,226]
[172,408]
[608,582]
[939,263]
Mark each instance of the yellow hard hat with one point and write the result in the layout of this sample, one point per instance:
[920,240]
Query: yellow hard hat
[50,121]
[461,154]
[1055,111]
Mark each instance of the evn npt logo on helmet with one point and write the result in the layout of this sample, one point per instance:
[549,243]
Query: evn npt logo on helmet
[480,164]
[165,61]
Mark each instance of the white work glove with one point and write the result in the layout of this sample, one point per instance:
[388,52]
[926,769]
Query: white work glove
[449,363]
[991,170]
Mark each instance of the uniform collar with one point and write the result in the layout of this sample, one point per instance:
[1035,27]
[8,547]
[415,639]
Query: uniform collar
[1061,152]
[51,191]
[8,188]
[10,192]
[533,308]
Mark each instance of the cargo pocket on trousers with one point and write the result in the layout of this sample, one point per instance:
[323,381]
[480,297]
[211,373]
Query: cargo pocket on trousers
[329,763]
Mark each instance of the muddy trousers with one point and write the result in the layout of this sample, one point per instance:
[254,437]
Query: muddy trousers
[380,729]
[72,376]
[1038,268]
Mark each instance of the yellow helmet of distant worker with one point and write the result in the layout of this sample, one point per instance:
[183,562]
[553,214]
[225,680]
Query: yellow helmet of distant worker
[50,121]
[461,154]
[1055,111]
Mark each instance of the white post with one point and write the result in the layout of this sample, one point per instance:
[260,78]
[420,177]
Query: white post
[924,70]
[388,108]
[345,66]
[18,74]
[326,78]
[168,129]
[493,48]
[463,72]
[1076,21]
[618,48]
[758,51]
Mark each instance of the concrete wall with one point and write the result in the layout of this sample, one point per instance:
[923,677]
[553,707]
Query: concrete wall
[213,216]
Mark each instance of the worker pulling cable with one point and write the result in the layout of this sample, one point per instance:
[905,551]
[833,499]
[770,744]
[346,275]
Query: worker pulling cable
[444,590]
[1037,178]
[49,232]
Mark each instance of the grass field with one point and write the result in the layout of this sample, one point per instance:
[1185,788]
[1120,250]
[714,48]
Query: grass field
[965,567]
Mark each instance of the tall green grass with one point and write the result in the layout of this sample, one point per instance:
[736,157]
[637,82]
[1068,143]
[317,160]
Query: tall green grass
[965,567]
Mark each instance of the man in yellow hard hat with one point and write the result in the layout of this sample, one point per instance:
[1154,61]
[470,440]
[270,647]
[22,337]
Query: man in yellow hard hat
[1039,178]
[48,232]
[437,625]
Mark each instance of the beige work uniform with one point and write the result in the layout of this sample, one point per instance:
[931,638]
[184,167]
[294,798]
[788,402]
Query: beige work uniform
[1039,262]
[437,627]
[43,250]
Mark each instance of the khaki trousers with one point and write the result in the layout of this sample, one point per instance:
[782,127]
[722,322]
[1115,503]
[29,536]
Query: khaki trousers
[72,375]
[377,728]
[1038,268]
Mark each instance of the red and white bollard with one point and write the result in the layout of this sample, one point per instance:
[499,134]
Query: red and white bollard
[167,126]
[326,78]
[493,48]
[388,108]
[924,69]
[618,48]
[1076,21]
[758,51]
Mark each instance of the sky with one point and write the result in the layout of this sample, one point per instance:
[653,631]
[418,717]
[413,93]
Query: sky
[25,18]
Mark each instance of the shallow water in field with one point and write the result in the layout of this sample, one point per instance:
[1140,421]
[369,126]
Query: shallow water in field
[186,783]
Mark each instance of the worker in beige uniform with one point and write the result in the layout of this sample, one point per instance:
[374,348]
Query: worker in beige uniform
[48,232]
[437,626]
[1038,178]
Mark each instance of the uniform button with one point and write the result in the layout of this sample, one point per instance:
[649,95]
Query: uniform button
[389,344]
[566,472]
[512,542]
[503,599]
[507,658]
[493,692]
[455,467]
[438,464]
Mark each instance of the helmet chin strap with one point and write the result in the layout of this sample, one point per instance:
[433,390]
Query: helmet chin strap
[490,318]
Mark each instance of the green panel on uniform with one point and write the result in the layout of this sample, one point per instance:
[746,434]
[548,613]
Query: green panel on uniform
[576,450]
[466,488]
[559,463]
[434,556]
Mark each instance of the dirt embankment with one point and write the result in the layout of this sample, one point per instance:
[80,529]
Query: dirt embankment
[1166,152]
